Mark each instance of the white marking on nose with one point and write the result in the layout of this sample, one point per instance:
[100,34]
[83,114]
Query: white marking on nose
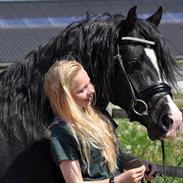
[152,56]
[174,110]
[176,115]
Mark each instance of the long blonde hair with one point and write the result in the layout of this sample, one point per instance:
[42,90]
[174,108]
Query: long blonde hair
[87,124]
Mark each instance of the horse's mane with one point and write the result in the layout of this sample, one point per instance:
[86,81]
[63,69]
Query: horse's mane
[25,111]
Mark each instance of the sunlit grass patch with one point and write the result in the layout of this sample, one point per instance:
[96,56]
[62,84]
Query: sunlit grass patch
[133,138]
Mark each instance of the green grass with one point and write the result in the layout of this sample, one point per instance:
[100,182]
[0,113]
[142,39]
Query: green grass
[178,99]
[133,138]
[178,95]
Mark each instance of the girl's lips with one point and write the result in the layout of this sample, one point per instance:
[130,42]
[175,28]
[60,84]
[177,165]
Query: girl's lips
[90,98]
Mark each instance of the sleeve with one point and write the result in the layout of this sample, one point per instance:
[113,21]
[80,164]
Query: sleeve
[127,161]
[63,144]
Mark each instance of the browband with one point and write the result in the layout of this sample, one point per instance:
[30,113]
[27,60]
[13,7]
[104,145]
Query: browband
[138,40]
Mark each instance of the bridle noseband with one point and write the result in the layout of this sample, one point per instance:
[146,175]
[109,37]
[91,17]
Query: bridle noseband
[139,98]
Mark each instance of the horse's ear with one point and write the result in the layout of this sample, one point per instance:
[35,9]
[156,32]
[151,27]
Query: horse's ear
[156,17]
[132,15]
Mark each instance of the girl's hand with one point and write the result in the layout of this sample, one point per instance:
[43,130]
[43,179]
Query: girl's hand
[131,176]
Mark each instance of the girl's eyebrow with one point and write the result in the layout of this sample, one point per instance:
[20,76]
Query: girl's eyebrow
[82,87]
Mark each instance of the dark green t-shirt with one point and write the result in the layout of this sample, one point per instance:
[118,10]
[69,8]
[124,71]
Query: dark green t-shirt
[65,147]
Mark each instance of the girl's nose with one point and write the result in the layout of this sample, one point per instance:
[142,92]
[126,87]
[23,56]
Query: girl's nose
[92,90]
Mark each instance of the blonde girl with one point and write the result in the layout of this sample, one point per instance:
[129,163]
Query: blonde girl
[83,143]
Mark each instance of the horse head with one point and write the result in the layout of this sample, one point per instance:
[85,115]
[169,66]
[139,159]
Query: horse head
[145,61]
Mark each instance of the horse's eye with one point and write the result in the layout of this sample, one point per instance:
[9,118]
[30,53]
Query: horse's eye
[133,65]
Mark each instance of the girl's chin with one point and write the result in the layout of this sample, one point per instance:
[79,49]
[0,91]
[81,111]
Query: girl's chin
[88,104]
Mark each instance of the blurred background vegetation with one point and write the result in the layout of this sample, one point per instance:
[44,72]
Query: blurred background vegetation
[134,139]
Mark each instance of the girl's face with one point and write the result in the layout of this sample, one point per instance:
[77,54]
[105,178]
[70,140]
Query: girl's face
[81,89]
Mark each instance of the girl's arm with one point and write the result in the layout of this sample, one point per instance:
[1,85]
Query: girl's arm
[72,174]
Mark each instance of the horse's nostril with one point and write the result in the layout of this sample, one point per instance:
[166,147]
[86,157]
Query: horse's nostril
[167,121]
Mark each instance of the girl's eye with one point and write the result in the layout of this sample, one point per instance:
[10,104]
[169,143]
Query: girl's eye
[81,91]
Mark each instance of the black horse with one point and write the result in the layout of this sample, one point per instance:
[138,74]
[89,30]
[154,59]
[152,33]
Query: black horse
[127,60]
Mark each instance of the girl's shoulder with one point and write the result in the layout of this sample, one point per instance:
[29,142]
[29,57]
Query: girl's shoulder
[57,127]
[58,122]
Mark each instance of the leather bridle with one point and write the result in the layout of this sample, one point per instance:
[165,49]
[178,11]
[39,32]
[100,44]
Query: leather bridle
[139,98]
